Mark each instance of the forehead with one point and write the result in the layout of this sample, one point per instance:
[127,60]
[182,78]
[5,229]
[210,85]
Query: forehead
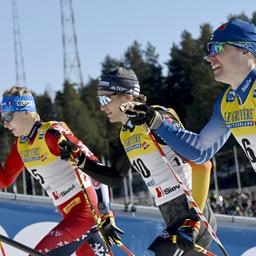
[102,93]
[231,48]
[16,114]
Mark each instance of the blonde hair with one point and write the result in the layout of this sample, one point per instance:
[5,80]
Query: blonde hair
[17,91]
[21,91]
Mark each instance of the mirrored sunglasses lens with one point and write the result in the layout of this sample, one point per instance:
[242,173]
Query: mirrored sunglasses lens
[215,48]
[103,100]
[8,117]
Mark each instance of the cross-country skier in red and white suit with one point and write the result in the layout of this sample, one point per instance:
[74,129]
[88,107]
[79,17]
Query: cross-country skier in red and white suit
[36,149]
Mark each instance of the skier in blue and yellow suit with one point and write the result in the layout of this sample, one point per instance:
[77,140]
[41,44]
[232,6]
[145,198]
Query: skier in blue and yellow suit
[232,55]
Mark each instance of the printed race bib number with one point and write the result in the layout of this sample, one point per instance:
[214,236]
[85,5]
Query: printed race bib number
[178,161]
[141,168]
[37,176]
[248,150]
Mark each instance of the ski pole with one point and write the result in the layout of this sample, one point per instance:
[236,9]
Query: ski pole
[96,219]
[2,249]
[67,135]
[203,250]
[21,246]
[125,249]
[186,191]
[120,244]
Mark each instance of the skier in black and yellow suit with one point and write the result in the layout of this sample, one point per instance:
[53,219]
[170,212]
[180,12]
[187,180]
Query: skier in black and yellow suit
[137,150]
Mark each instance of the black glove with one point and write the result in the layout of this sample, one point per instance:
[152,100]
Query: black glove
[70,152]
[142,113]
[187,233]
[110,229]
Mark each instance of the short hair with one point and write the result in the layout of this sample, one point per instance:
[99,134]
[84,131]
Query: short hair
[17,91]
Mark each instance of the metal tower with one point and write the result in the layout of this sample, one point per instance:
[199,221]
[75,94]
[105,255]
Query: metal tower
[19,60]
[71,60]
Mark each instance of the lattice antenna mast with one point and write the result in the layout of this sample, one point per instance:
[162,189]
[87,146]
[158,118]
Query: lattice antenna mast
[71,60]
[19,60]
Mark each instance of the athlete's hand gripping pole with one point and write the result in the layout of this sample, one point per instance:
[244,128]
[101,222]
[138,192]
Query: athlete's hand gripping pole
[188,231]
[96,219]
[187,193]
[152,119]
[69,150]
[110,229]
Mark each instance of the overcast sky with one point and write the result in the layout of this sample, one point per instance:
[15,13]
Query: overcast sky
[103,27]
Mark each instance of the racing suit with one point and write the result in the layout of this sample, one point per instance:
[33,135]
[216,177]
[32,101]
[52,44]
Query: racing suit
[233,112]
[137,150]
[39,153]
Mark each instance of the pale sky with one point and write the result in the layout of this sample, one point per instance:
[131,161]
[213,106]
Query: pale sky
[103,27]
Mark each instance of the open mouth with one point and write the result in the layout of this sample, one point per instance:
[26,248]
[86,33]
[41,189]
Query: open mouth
[215,67]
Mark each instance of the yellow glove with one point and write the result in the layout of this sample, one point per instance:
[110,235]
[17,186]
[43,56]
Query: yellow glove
[110,229]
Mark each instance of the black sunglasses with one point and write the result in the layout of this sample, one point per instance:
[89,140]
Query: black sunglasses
[8,117]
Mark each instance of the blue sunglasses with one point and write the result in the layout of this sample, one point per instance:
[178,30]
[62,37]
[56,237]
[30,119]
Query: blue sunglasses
[104,100]
[215,48]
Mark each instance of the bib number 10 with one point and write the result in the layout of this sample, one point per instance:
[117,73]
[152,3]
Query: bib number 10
[141,168]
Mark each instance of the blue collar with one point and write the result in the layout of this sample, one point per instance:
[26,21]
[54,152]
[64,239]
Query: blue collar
[128,126]
[33,132]
[244,88]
